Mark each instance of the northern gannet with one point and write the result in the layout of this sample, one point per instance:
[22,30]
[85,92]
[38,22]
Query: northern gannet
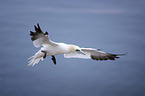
[50,48]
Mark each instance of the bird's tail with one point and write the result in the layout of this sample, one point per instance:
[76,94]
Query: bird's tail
[36,58]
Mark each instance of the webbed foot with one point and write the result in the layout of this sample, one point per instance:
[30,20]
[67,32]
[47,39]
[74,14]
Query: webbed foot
[53,59]
[45,53]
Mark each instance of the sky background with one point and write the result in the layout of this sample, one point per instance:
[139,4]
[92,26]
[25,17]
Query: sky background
[115,26]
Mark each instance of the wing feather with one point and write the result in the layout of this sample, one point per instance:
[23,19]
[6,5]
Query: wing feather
[94,54]
[39,38]
[100,55]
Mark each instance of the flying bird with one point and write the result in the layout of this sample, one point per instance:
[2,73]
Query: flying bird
[50,48]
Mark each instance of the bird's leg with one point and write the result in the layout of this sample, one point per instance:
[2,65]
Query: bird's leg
[53,59]
[45,53]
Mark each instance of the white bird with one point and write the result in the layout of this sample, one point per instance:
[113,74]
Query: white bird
[50,48]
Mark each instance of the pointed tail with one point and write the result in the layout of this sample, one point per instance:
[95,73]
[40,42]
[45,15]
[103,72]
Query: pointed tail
[36,58]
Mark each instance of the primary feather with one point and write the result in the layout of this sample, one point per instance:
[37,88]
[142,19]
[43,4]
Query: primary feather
[91,53]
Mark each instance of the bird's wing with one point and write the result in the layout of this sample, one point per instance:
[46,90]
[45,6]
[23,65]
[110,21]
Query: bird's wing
[39,38]
[94,54]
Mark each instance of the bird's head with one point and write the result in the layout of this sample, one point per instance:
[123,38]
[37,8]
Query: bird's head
[74,48]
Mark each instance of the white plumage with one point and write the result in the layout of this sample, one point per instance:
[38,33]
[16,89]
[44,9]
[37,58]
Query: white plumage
[50,48]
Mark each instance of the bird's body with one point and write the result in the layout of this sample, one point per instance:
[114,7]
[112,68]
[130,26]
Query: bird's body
[60,48]
[50,48]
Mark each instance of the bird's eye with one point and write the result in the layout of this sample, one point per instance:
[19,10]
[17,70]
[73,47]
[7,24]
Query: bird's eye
[77,50]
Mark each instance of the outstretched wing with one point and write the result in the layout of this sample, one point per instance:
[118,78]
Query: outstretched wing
[94,54]
[39,38]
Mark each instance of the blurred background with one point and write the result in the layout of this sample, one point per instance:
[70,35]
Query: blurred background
[115,26]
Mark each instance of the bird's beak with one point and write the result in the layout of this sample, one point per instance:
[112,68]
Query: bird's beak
[81,52]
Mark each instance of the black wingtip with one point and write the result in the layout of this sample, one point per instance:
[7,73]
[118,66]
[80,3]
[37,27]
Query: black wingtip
[35,27]
[32,33]
[46,33]
[35,35]
[107,56]
[38,25]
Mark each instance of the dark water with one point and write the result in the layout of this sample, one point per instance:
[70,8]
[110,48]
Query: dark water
[116,26]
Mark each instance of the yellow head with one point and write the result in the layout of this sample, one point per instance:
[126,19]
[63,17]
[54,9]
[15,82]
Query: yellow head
[74,48]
